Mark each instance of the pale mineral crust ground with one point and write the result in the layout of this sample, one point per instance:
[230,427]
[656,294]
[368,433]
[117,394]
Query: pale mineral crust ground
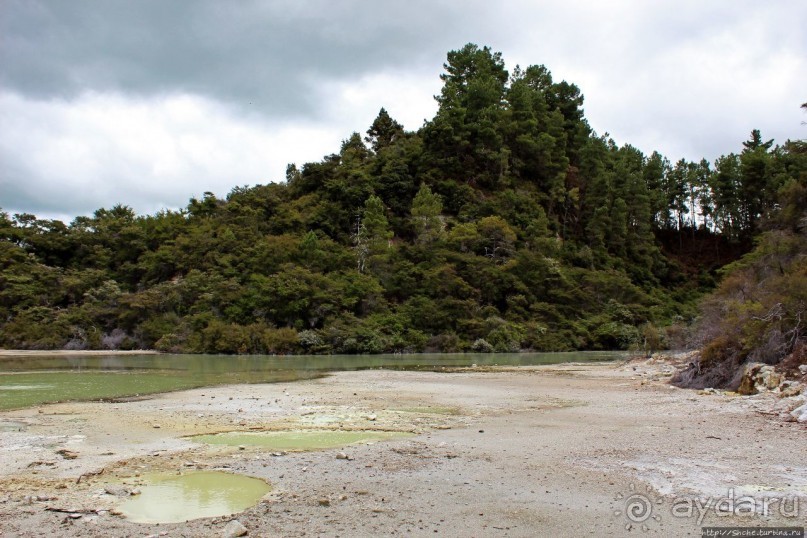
[529,451]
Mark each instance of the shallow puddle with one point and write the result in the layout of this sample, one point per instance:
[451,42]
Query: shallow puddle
[172,498]
[12,426]
[297,440]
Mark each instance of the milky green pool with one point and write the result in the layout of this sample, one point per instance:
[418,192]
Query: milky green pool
[172,498]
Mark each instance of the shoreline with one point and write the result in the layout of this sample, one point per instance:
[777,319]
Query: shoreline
[68,352]
[73,353]
[509,451]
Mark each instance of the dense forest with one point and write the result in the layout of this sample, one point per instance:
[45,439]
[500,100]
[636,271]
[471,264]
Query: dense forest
[503,224]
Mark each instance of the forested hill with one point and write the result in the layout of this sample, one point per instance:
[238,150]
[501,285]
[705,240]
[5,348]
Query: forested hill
[504,223]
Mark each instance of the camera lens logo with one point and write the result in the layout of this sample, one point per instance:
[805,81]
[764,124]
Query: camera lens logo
[638,508]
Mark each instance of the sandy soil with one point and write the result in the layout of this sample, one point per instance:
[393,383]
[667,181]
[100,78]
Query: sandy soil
[533,451]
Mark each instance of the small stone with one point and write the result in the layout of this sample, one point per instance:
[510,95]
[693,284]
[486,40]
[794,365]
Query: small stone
[800,413]
[67,454]
[341,456]
[242,447]
[234,529]
[371,418]
[790,388]
[758,377]
[324,502]
[156,426]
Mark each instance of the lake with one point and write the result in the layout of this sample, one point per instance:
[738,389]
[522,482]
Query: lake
[33,380]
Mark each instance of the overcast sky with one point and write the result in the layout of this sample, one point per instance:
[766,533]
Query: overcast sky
[149,102]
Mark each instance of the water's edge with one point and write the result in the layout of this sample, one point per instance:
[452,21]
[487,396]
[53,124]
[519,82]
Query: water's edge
[29,380]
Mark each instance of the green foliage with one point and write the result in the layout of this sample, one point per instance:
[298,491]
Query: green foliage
[498,238]
[502,224]
[481,345]
[374,223]
[372,232]
[427,208]
[384,131]
[757,313]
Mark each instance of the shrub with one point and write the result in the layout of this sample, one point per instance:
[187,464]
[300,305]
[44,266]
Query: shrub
[481,345]
[279,341]
[312,342]
[444,343]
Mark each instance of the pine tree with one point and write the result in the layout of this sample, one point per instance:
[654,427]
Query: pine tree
[426,218]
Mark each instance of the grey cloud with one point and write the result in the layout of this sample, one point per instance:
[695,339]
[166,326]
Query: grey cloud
[19,194]
[264,53]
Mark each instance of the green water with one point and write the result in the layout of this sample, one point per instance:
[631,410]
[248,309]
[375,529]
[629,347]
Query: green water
[33,388]
[29,381]
[297,440]
[172,498]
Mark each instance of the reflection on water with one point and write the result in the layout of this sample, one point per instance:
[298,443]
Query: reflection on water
[171,498]
[18,386]
[28,381]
